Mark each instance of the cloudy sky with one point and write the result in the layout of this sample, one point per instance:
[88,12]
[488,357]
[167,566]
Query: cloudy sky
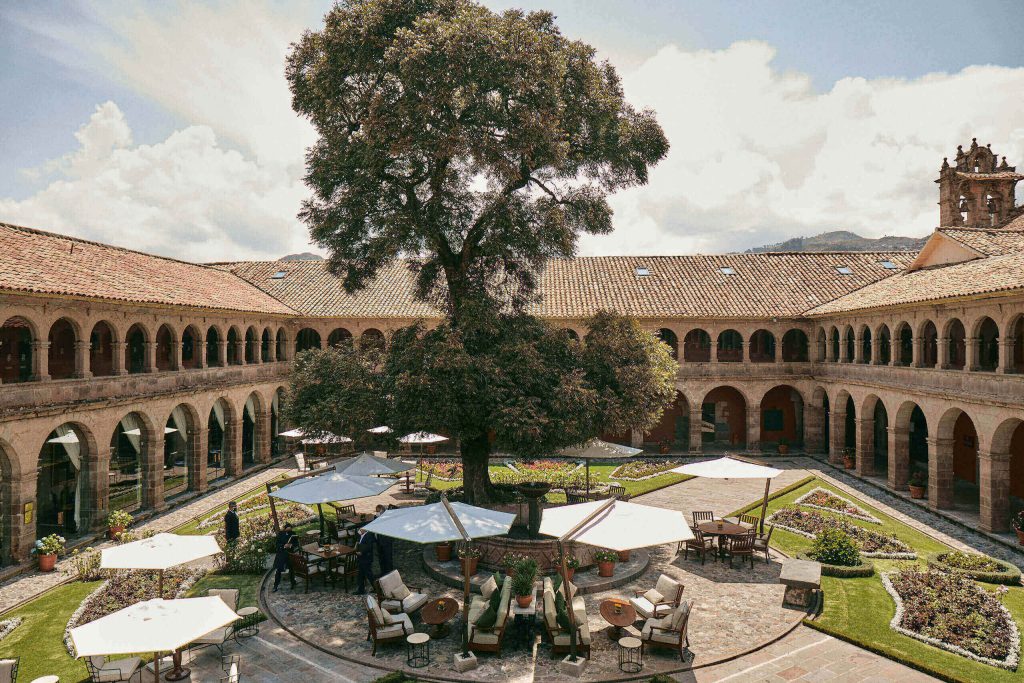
[167,126]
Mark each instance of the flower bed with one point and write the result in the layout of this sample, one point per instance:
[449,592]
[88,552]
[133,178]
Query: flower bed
[448,470]
[977,567]
[8,625]
[822,499]
[558,474]
[543,466]
[126,588]
[295,512]
[637,470]
[809,523]
[953,613]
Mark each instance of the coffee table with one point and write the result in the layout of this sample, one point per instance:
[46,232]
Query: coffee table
[618,613]
[437,613]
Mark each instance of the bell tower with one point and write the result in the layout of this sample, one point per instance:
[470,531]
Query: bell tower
[977,192]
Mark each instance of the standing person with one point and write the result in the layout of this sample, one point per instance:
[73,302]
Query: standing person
[365,550]
[385,547]
[285,542]
[231,532]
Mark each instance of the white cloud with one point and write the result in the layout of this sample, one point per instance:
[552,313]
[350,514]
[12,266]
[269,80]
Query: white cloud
[758,155]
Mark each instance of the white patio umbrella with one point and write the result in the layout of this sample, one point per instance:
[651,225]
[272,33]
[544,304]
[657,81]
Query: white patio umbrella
[440,522]
[152,626]
[383,429]
[612,524]
[731,468]
[421,438]
[330,488]
[293,433]
[366,465]
[327,439]
[158,553]
[599,450]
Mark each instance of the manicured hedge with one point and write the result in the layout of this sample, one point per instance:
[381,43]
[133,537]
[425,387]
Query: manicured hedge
[1010,576]
[865,568]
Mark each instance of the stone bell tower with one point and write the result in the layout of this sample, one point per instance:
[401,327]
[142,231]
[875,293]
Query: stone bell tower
[977,192]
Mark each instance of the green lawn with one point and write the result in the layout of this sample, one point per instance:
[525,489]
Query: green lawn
[859,610]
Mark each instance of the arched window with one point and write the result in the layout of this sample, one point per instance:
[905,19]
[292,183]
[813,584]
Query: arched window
[988,345]
[136,349]
[669,338]
[340,337]
[62,350]
[730,347]
[164,349]
[15,351]
[372,339]
[794,346]
[265,346]
[281,342]
[929,345]
[849,343]
[905,348]
[190,348]
[177,446]
[101,350]
[127,445]
[213,348]
[60,484]
[307,339]
[251,342]
[697,347]
[762,347]
[834,351]
[884,345]
[866,347]
[218,423]
[956,345]
[233,357]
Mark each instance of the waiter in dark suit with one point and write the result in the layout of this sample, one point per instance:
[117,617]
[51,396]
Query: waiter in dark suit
[231,532]
[385,547]
[364,548]
[285,543]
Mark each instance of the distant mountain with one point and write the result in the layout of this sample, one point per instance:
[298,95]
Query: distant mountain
[304,256]
[843,240]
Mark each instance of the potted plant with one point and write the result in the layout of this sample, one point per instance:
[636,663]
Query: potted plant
[469,556]
[571,565]
[605,562]
[1018,526]
[522,581]
[783,446]
[624,555]
[918,485]
[117,522]
[849,458]
[443,551]
[47,549]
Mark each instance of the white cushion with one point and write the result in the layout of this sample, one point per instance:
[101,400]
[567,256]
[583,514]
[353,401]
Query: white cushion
[642,606]
[118,670]
[215,637]
[228,595]
[679,615]
[378,613]
[488,587]
[651,624]
[390,619]
[392,586]
[667,586]
[550,614]
[653,596]
[484,637]
[390,630]
[413,602]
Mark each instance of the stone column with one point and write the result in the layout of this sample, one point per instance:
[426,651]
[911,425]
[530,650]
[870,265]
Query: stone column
[844,351]
[240,350]
[149,365]
[152,472]
[899,458]
[262,437]
[82,370]
[257,351]
[940,473]
[41,361]
[118,352]
[753,428]
[19,535]
[696,431]
[1005,355]
[917,352]
[837,425]
[271,352]
[972,362]
[942,348]
[197,450]
[858,348]
[95,505]
[201,350]
[745,351]
[815,440]
[778,350]
[994,489]
[222,352]
[232,455]
[865,445]
[176,362]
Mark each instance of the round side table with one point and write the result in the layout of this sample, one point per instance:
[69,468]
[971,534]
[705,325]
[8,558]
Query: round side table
[417,650]
[631,655]
[248,622]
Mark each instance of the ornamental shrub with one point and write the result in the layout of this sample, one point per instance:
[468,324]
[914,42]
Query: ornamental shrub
[834,546]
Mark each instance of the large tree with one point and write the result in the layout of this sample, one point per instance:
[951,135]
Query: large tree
[474,145]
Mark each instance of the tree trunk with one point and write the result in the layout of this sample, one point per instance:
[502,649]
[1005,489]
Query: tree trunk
[476,481]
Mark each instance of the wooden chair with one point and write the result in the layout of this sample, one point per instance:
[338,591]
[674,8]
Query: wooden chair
[618,491]
[665,596]
[394,596]
[9,670]
[670,631]
[574,497]
[698,544]
[348,569]
[304,569]
[761,543]
[701,516]
[231,665]
[742,546]
[750,520]
[384,627]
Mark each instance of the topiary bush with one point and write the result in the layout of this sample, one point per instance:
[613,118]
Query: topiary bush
[977,567]
[834,546]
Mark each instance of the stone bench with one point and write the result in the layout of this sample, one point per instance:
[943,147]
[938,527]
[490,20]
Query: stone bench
[801,578]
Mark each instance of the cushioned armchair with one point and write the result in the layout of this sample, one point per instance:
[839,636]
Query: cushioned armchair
[557,633]
[485,637]
[385,627]
[658,601]
[218,636]
[125,669]
[669,631]
[395,596]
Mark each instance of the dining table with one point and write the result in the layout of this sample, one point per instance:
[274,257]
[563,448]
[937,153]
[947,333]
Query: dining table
[330,552]
[723,530]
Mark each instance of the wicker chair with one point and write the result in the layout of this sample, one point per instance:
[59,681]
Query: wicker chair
[761,543]
[701,516]
[670,631]
[698,544]
[385,627]
[742,546]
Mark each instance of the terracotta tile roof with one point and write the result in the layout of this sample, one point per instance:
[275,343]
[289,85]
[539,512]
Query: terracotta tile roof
[990,241]
[44,262]
[764,285]
[980,276]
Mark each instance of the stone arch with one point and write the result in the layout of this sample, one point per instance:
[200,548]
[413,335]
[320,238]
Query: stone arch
[673,429]
[64,501]
[929,340]
[253,426]
[135,466]
[986,331]
[956,468]
[252,343]
[1015,337]
[11,506]
[795,346]
[101,349]
[182,452]
[340,336]
[883,345]
[849,344]
[63,336]
[821,350]
[265,345]
[762,347]
[866,345]
[165,354]
[697,346]
[782,416]
[904,344]
[17,335]
[281,344]
[834,344]
[191,344]
[235,340]
[307,339]
[730,346]
[725,407]
[213,340]
[222,439]
[873,436]
[1002,476]
[910,453]
[956,345]
[372,338]
[669,339]
[135,350]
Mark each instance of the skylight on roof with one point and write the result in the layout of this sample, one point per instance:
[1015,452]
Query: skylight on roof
[279,275]
[727,270]
[844,270]
[888,265]
[643,271]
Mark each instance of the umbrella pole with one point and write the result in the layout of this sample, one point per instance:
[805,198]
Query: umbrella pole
[320,509]
[764,503]
[465,576]
[156,666]
[161,585]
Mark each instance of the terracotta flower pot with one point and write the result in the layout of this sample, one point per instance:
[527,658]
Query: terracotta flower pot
[663,450]
[1020,536]
[47,562]
[114,531]
[783,449]
[624,556]
[569,573]
[524,600]
[917,492]
[605,568]
[850,463]
[443,551]
[469,565]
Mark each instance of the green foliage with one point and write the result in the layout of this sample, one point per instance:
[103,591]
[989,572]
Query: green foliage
[865,568]
[49,545]
[834,546]
[85,565]
[245,555]
[524,572]
[119,518]
[978,567]
[606,556]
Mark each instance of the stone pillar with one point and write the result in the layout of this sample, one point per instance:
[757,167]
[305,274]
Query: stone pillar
[745,351]
[197,449]
[972,362]
[713,358]
[696,430]
[176,362]
[95,505]
[899,458]
[152,472]
[240,350]
[149,365]
[815,440]
[865,445]
[222,352]
[942,347]
[844,355]
[232,455]
[994,490]
[201,350]
[778,350]
[257,351]
[82,370]
[837,427]
[118,352]
[753,428]
[940,473]
[858,348]
[41,361]
[271,352]
[1005,355]
[830,351]
[19,535]
[917,351]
